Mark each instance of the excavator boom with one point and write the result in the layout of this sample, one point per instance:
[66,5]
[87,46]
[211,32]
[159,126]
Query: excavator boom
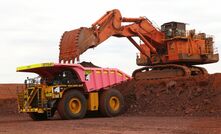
[74,43]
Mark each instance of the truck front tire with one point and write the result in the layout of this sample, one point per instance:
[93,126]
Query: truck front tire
[73,105]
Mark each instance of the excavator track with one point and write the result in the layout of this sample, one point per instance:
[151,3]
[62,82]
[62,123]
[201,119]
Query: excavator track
[167,71]
[198,70]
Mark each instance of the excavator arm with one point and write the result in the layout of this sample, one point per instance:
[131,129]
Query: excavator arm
[74,43]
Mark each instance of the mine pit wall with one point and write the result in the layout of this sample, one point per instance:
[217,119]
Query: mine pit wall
[8,98]
[9,91]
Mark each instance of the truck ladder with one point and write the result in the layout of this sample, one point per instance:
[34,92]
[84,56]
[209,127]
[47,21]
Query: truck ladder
[40,101]
[31,97]
[48,110]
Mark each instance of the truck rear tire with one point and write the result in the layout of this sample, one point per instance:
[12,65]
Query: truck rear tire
[38,116]
[111,103]
[73,105]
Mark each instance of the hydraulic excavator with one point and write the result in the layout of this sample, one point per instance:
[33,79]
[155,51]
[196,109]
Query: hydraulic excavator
[171,51]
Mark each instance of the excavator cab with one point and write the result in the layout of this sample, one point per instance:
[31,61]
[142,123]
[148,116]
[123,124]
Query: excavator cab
[174,29]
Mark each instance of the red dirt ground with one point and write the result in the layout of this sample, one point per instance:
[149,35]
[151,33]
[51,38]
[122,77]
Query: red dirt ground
[175,106]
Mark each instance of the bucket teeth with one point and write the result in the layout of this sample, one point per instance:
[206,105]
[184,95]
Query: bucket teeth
[74,43]
[68,46]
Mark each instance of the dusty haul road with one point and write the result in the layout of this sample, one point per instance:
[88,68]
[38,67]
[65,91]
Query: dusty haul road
[17,124]
[179,106]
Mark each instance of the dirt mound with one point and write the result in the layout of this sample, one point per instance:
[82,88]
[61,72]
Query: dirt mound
[88,64]
[193,96]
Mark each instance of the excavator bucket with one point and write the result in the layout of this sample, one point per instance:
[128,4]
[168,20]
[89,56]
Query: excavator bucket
[75,42]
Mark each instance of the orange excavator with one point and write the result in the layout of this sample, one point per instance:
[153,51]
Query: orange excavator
[171,51]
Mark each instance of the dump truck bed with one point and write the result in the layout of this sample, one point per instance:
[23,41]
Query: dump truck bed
[93,78]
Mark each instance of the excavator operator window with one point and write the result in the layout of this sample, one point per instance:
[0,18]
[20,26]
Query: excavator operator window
[174,29]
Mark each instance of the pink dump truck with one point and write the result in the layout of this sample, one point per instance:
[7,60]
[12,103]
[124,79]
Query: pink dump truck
[72,90]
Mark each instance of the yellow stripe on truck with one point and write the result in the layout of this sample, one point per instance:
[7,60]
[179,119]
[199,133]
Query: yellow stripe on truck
[21,68]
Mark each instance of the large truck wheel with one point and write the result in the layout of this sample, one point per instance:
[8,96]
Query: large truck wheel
[73,105]
[38,116]
[111,103]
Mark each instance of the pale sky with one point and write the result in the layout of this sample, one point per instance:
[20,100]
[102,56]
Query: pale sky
[30,30]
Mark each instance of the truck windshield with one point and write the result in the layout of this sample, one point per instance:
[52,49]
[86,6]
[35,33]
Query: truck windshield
[31,82]
[65,77]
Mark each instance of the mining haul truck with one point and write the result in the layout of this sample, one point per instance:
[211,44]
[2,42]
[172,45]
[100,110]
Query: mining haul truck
[72,90]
